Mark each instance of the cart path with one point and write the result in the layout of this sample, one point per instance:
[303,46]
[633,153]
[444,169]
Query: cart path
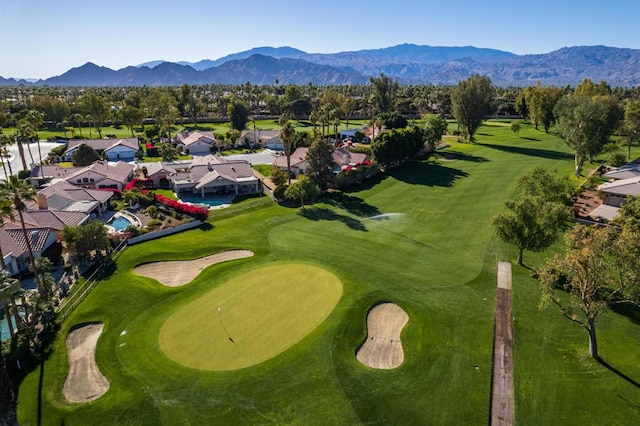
[502,390]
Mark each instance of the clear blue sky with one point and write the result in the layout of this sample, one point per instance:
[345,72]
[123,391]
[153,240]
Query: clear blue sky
[43,38]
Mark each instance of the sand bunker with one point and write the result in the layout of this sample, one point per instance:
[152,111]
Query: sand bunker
[383,347]
[180,272]
[84,381]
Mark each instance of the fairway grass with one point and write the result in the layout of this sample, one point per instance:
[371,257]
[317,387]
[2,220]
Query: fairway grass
[251,318]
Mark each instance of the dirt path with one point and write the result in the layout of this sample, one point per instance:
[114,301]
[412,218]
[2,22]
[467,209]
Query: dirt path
[84,380]
[383,347]
[502,390]
[180,272]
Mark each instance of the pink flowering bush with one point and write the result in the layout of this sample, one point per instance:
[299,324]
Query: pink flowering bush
[198,213]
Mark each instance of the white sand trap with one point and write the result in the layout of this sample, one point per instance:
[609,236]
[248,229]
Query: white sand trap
[175,273]
[383,347]
[84,381]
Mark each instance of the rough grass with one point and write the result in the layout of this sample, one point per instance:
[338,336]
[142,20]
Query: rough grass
[436,258]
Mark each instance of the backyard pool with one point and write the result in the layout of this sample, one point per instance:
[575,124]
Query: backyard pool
[120,223]
[4,328]
[211,202]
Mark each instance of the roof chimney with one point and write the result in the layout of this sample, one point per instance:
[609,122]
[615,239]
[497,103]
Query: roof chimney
[42,202]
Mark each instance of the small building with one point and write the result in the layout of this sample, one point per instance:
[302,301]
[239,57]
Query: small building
[263,138]
[342,158]
[616,192]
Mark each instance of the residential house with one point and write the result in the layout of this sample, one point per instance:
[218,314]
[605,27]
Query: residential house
[159,172]
[211,175]
[14,246]
[196,143]
[616,192]
[342,158]
[263,138]
[103,175]
[113,149]
[42,175]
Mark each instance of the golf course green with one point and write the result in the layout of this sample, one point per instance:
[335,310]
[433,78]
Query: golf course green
[251,318]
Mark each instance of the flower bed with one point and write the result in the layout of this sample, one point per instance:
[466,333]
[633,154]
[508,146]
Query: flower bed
[198,213]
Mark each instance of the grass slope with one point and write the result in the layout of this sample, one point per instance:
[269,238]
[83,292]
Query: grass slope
[435,257]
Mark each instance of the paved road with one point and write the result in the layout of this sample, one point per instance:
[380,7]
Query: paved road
[30,151]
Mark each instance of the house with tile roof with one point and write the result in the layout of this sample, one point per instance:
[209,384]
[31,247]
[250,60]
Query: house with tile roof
[196,143]
[14,246]
[113,149]
[263,138]
[342,158]
[103,175]
[160,171]
[211,174]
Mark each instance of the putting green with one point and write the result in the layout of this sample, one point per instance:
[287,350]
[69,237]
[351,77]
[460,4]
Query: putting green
[251,318]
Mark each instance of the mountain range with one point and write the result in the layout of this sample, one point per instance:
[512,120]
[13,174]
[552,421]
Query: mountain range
[406,63]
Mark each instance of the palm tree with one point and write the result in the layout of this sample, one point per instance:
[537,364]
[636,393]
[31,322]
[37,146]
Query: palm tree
[6,297]
[287,135]
[89,119]
[35,120]
[20,192]
[77,118]
[5,141]
[22,134]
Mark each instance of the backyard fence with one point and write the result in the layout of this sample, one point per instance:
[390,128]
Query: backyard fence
[72,301]
[163,233]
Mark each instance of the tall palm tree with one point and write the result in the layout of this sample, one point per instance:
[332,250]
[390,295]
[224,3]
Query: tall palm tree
[20,192]
[5,141]
[22,134]
[35,120]
[287,135]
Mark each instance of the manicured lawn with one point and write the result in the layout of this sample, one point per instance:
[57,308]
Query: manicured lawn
[434,255]
[251,318]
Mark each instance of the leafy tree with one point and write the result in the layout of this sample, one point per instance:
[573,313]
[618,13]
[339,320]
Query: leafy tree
[167,151]
[238,114]
[515,127]
[161,105]
[544,184]
[385,90]
[277,176]
[585,123]
[435,126]
[471,102]
[631,126]
[84,239]
[393,148]
[593,273]
[540,104]
[96,107]
[392,120]
[130,116]
[84,155]
[303,189]
[320,163]
[530,223]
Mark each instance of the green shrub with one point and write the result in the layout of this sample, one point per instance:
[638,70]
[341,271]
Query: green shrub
[278,193]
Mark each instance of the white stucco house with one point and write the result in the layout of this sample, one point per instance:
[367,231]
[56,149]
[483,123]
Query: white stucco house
[112,149]
[196,143]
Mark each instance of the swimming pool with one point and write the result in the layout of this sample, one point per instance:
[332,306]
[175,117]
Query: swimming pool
[4,328]
[216,201]
[120,223]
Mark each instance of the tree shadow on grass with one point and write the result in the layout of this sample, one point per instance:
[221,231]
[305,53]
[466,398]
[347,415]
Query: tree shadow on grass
[453,155]
[535,152]
[366,183]
[628,310]
[321,213]
[618,373]
[428,174]
[530,139]
[352,204]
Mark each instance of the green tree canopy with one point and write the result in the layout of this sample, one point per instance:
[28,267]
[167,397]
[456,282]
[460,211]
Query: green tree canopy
[385,89]
[84,239]
[471,101]
[435,126]
[320,163]
[84,155]
[238,114]
[303,190]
